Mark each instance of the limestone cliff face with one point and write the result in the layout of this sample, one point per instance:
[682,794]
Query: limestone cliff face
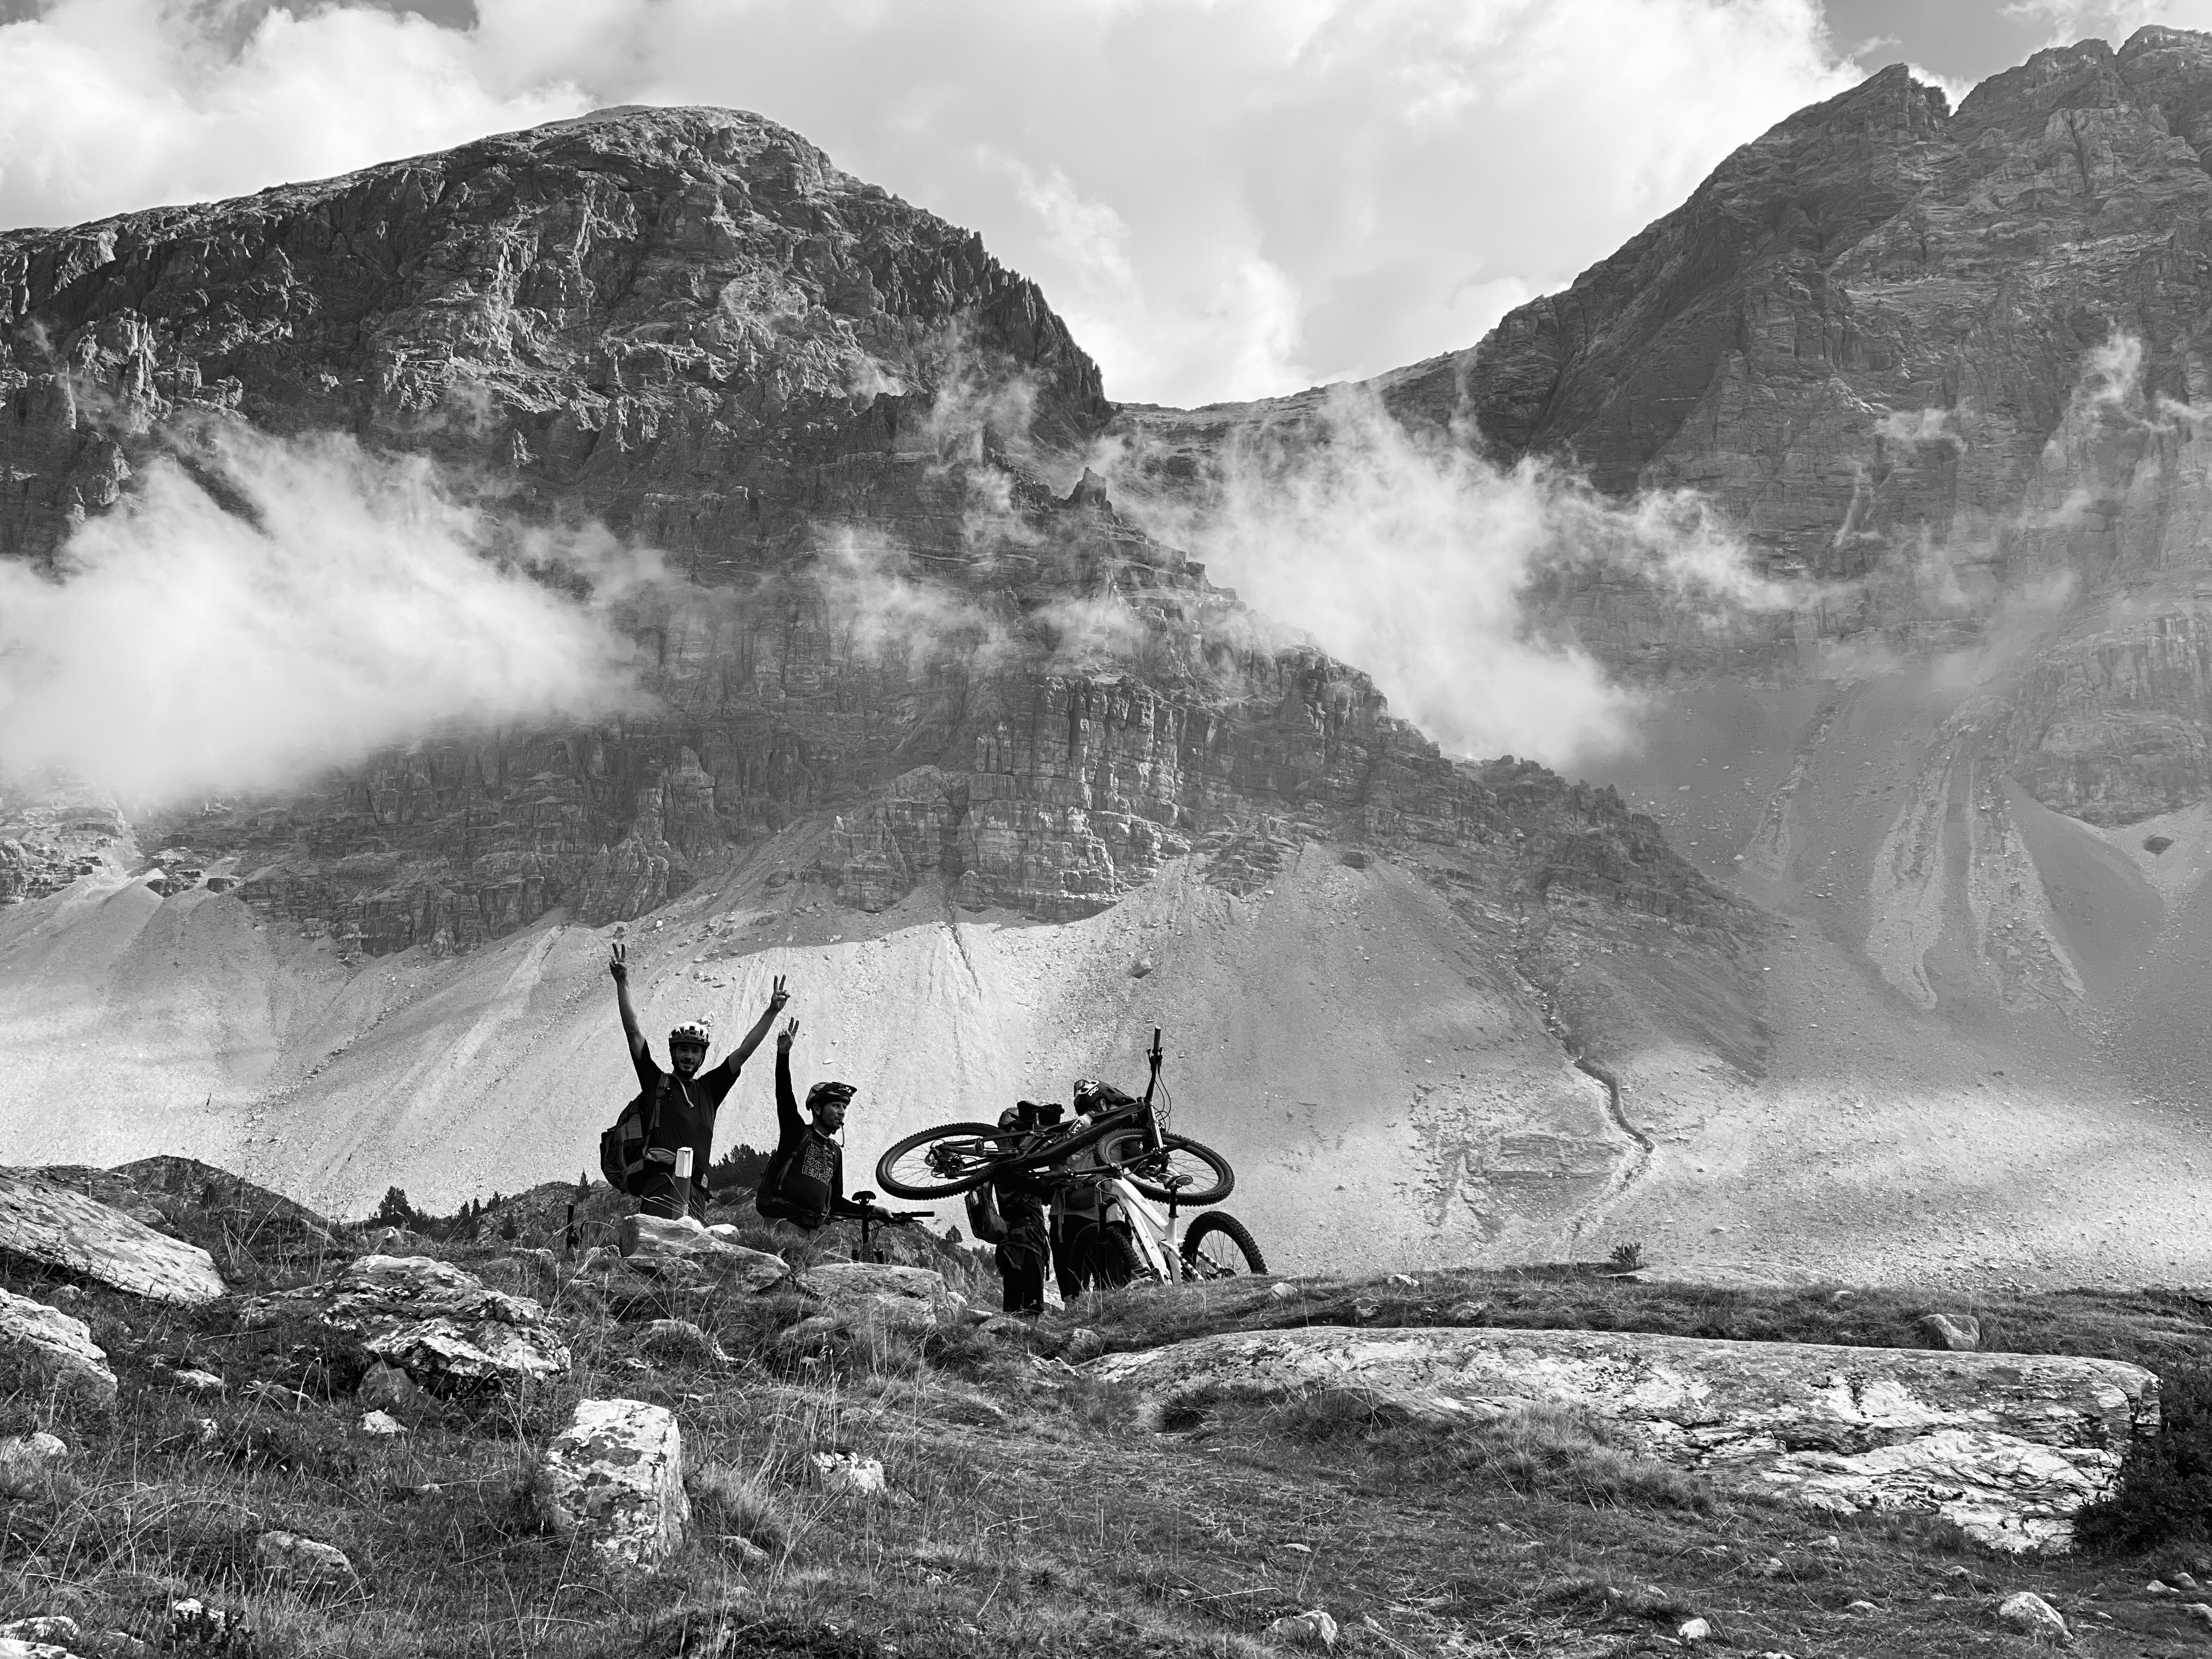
[1946,372]
[688,325]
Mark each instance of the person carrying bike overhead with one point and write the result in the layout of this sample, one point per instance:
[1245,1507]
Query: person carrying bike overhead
[805,1181]
[1023,1251]
[1083,1251]
[688,1096]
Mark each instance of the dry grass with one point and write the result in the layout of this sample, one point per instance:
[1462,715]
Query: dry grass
[1031,1510]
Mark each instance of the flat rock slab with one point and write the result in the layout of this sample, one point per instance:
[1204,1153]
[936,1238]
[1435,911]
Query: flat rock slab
[47,1222]
[431,1320]
[683,1249]
[60,1341]
[2008,1446]
[913,1298]
[614,1478]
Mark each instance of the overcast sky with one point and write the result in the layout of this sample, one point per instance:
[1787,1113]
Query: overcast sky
[1227,198]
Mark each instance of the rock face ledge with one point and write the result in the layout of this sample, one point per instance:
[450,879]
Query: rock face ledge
[437,1324]
[2008,1446]
[50,1223]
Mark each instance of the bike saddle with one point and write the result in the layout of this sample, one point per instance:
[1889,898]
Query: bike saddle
[864,1198]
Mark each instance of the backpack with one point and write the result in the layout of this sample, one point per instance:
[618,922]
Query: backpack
[985,1220]
[622,1147]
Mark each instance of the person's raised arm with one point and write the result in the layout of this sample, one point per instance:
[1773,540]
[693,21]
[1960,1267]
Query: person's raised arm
[786,1103]
[618,965]
[751,1040]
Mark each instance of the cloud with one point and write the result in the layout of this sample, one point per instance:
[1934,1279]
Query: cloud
[1411,555]
[254,609]
[1229,197]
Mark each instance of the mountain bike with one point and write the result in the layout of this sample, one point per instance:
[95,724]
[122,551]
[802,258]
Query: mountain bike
[1130,1143]
[1216,1245]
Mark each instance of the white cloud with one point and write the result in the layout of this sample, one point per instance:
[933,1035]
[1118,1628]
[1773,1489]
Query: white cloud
[341,602]
[1232,197]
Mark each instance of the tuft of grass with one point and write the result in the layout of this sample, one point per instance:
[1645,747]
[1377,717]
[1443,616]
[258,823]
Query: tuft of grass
[1564,1452]
[729,1503]
[2163,1497]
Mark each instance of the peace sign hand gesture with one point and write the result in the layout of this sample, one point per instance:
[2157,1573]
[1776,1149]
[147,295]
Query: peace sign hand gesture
[619,961]
[783,1037]
[779,996]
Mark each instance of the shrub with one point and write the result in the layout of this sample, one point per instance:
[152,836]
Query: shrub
[2164,1494]
[1628,1257]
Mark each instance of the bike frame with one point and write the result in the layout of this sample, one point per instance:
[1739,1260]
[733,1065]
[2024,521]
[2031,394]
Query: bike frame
[1152,1228]
[1055,1149]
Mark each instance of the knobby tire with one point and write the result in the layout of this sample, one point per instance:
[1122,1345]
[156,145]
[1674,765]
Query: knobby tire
[1229,1227]
[944,1186]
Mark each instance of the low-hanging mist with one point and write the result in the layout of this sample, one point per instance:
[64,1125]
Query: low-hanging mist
[1410,555]
[254,608]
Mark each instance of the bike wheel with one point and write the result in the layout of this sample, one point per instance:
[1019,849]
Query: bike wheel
[1181,1172]
[1219,1246]
[1126,1260]
[942,1162]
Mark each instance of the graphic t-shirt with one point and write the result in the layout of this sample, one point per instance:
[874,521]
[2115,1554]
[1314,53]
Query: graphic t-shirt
[687,1110]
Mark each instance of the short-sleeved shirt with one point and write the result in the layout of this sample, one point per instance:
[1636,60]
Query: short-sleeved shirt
[687,1111]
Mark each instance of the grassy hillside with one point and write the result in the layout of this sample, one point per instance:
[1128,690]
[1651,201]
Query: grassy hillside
[1032,1512]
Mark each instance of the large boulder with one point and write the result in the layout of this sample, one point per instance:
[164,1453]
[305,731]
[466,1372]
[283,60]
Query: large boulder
[2008,1446]
[51,1223]
[437,1324]
[685,1252]
[614,1480]
[61,1343]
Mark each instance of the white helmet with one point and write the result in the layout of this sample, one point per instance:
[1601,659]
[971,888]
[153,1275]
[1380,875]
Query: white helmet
[691,1030]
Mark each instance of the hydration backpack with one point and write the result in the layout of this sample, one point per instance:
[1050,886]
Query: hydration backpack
[622,1147]
[984,1219]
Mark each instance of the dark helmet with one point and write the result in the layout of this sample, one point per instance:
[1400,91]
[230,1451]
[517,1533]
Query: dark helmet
[833,1093]
[1013,1118]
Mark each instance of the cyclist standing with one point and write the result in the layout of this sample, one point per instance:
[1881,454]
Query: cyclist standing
[692,1096]
[805,1181]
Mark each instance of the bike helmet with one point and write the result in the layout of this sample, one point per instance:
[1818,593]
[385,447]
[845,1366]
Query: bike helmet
[691,1030]
[839,1092]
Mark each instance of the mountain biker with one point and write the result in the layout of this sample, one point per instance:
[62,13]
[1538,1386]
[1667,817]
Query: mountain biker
[1084,1252]
[692,1096]
[805,1181]
[1022,1252]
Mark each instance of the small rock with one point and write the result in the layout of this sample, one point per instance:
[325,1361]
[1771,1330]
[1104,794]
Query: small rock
[2200,1613]
[2156,1587]
[1830,1542]
[1006,1325]
[60,1341]
[1468,1313]
[1694,1630]
[37,1447]
[849,1474]
[1299,1549]
[1083,1343]
[301,1562]
[1406,1280]
[746,1551]
[2182,1581]
[679,1339]
[684,1249]
[1772,1567]
[1313,1629]
[2031,1615]
[194,1624]
[1365,1309]
[277,1394]
[51,1627]
[1281,1291]
[381,1423]
[383,1386]
[196,1381]
[1140,967]
[1861,1607]
[1955,1332]
[614,1477]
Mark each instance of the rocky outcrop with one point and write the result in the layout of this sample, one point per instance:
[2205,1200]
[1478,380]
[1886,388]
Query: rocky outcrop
[429,1319]
[59,1342]
[688,325]
[2008,1446]
[891,1296]
[43,1221]
[613,1480]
